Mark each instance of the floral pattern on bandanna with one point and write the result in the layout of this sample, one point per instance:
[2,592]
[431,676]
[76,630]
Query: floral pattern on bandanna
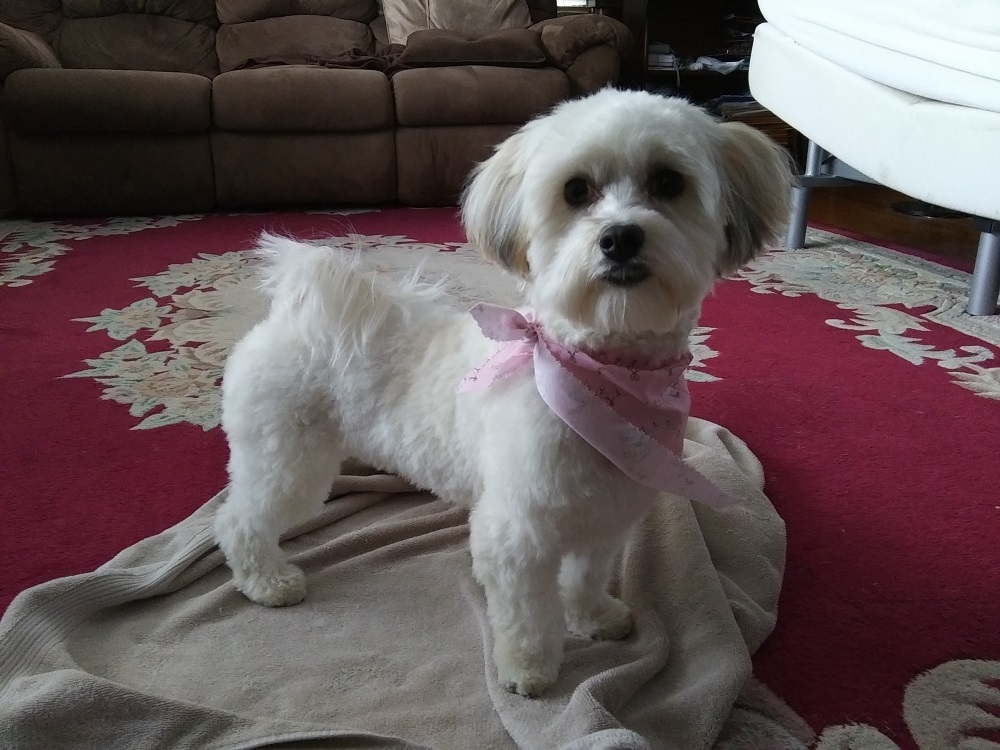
[889,297]
[30,248]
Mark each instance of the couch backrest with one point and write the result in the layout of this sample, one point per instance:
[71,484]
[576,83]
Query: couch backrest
[542,10]
[39,16]
[239,11]
[162,35]
[177,35]
[292,30]
[195,11]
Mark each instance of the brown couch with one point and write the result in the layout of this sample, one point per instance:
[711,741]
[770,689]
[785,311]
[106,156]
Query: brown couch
[165,106]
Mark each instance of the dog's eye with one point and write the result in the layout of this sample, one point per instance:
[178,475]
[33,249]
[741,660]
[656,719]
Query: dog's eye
[576,191]
[668,183]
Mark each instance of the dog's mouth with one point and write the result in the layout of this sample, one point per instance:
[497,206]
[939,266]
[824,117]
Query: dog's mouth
[625,274]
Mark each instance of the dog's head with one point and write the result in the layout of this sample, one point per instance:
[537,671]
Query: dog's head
[621,209]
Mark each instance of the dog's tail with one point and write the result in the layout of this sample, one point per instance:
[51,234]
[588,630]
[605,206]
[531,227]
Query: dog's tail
[331,295]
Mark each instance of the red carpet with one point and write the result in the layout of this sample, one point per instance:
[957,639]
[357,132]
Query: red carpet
[872,402]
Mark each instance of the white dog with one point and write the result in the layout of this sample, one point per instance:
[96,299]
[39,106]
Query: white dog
[619,211]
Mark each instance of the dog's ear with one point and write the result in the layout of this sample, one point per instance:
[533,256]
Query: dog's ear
[491,206]
[757,179]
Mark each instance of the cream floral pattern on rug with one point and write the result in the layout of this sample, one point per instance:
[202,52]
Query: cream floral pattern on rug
[30,248]
[176,341]
[870,283]
[171,374]
[954,705]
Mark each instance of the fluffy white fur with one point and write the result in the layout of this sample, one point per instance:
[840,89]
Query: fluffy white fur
[349,363]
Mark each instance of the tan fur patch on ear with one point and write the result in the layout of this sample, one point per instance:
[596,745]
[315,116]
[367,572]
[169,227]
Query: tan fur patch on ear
[758,177]
[497,246]
[516,257]
[491,207]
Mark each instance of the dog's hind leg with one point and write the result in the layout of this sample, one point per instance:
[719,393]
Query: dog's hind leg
[269,492]
[285,452]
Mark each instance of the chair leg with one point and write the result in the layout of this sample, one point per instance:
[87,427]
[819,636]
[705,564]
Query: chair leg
[795,237]
[985,287]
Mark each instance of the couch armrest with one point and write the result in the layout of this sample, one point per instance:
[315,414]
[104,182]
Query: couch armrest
[568,37]
[594,69]
[23,49]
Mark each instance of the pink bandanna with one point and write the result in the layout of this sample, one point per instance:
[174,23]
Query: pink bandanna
[633,412]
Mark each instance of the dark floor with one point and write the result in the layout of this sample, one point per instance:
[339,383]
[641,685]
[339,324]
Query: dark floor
[867,210]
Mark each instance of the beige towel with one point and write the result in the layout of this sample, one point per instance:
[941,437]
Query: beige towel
[390,649]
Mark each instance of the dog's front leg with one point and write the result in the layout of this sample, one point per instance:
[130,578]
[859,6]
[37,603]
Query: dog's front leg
[523,604]
[590,610]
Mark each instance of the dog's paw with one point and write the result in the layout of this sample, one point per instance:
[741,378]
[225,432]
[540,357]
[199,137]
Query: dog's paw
[524,674]
[281,587]
[610,620]
[528,683]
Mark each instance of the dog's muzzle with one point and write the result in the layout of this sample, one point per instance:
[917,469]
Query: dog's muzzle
[621,245]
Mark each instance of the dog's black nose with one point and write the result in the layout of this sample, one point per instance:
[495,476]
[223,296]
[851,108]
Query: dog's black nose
[621,242]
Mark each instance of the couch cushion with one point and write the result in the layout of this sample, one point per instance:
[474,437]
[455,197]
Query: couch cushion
[292,37]
[508,47]
[47,100]
[475,95]
[434,163]
[304,168]
[379,31]
[132,41]
[102,174]
[240,11]
[473,17]
[196,11]
[297,98]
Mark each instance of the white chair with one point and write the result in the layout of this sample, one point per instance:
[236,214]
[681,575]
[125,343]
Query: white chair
[904,92]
